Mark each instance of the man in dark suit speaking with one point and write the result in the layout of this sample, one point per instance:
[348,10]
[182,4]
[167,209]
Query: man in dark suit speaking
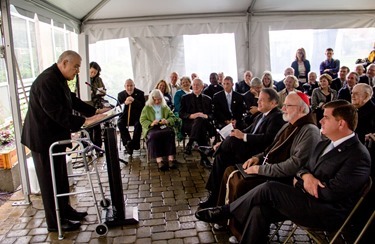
[321,196]
[49,119]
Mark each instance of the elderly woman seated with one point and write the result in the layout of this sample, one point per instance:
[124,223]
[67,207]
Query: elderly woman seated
[157,122]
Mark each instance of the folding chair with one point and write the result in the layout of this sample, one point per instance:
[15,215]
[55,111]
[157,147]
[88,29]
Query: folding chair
[316,234]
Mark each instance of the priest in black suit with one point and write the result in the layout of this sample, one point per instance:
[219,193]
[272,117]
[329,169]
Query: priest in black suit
[228,106]
[134,101]
[240,146]
[196,114]
[345,92]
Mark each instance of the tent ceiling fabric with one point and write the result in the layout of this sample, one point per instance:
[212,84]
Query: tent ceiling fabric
[114,9]
[117,9]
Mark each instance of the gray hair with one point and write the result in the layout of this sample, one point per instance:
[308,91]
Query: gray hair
[156,93]
[255,82]
[68,55]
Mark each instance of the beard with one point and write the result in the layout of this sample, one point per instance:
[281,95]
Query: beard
[289,116]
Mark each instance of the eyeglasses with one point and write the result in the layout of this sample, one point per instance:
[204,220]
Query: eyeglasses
[289,105]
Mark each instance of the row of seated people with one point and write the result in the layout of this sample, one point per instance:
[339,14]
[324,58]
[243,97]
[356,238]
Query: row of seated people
[278,155]
[225,109]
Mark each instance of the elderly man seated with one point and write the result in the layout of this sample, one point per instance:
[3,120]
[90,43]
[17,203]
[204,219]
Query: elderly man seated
[196,114]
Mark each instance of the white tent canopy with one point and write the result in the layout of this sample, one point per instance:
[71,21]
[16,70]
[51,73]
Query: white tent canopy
[154,23]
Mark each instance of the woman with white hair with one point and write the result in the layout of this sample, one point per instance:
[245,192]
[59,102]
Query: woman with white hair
[157,122]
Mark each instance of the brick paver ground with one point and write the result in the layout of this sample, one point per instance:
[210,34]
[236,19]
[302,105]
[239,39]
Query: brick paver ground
[166,203]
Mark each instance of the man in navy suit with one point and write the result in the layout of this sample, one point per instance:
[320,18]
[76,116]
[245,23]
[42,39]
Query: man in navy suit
[240,146]
[321,196]
[228,106]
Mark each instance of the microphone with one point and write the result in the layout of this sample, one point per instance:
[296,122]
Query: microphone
[105,94]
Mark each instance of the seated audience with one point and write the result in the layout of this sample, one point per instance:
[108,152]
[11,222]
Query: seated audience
[280,85]
[360,69]
[361,99]
[330,66]
[369,78]
[339,82]
[173,85]
[267,81]
[134,100]
[196,115]
[289,151]
[239,146]
[221,77]
[244,85]
[193,76]
[251,100]
[345,92]
[157,122]
[228,106]
[164,88]
[311,84]
[185,89]
[214,86]
[369,60]
[322,95]
[291,83]
[320,196]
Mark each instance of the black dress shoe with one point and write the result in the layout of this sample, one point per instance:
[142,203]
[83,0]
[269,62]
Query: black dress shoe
[129,148]
[75,215]
[162,166]
[66,225]
[209,203]
[172,164]
[206,150]
[206,163]
[213,215]
[187,150]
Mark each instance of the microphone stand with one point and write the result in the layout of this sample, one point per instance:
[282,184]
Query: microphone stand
[117,105]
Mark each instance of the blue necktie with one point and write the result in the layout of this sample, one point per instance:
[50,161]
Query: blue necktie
[258,124]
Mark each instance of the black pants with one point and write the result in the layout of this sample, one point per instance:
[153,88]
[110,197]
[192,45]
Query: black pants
[197,130]
[125,135]
[43,172]
[272,202]
[230,152]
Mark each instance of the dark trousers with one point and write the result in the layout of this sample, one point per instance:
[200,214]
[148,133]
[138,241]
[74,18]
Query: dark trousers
[197,130]
[272,202]
[43,172]
[161,142]
[96,135]
[230,152]
[125,135]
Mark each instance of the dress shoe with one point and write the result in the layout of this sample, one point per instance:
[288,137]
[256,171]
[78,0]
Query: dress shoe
[75,215]
[206,150]
[162,166]
[172,164]
[66,225]
[187,150]
[206,163]
[129,148]
[209,203]
[213,215]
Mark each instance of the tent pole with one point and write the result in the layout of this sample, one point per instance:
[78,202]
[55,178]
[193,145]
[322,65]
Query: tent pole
[14,99]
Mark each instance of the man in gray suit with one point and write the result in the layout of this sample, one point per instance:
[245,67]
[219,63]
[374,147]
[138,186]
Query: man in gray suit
[321,196]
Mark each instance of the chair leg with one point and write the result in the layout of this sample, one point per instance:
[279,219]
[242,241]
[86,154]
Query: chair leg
[365,227]
[291,234]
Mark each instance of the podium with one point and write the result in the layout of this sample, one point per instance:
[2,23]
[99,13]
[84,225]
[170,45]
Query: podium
[118,214]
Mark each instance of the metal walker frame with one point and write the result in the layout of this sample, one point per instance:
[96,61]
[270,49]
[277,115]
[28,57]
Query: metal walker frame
[84,148]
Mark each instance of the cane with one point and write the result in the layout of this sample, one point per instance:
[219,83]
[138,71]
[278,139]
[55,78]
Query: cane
[130,107]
